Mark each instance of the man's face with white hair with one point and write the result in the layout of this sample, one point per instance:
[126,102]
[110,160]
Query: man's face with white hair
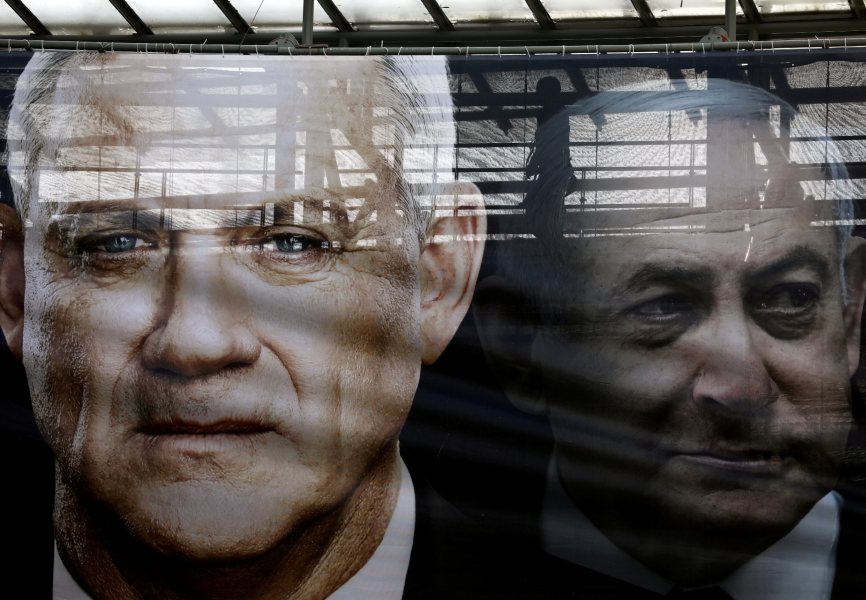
[226,309]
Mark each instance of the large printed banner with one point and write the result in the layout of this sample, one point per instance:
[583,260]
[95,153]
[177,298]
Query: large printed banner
[419,327]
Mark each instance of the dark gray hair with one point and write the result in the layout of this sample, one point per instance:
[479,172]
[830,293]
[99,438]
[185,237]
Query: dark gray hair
[552,178]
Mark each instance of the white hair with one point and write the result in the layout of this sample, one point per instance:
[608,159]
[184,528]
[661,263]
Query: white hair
[411,92]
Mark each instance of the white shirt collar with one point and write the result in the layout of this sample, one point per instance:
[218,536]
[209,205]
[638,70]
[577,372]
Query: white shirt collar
[800,565]
[382,578]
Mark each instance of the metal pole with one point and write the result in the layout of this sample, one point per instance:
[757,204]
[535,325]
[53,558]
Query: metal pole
[172,48]
[731,19]
[504,34]
[307,36]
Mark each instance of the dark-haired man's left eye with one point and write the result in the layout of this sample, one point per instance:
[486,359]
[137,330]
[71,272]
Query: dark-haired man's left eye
[787,311]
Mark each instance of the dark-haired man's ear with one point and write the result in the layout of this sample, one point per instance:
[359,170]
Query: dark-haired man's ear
[449,266]
[11,279]
[508,335]
[855,282]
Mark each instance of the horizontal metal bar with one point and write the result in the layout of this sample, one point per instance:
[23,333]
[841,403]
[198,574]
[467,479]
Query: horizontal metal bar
[228,48]
[514,35]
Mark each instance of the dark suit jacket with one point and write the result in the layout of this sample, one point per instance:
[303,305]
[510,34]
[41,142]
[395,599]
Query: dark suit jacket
[489,467]
[459,564]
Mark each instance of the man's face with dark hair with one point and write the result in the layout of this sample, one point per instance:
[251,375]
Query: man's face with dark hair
[215,362]
[695,373]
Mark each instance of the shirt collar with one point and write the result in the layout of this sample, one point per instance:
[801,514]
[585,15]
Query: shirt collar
[383,577]
[800,565]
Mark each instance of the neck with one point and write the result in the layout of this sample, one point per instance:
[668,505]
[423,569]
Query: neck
[313,562]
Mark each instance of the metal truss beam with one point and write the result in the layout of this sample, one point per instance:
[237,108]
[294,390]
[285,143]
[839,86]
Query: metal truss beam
[337,17]
[519,36]
[439,17]
[753,15]
[541,15]
[131,17]
[644,12]
[259,44]
[28,17]
[857,8]
[238,22]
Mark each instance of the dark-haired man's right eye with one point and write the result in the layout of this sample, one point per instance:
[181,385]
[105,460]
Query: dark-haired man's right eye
[661,320]
[664,308]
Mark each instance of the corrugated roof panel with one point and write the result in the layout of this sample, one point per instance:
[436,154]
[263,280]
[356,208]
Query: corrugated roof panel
[689,8]
[773,7]
[73,17]
[384,12]
[486,11]
[172,16]
[11,23]
[567,10]
[279,15]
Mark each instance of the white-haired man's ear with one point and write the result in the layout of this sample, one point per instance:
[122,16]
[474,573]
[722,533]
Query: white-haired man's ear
[855,282]
[449,265]
[508,336]
[11,279]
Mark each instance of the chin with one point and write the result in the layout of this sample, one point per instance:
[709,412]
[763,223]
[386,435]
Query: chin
[213,523]
[742,520]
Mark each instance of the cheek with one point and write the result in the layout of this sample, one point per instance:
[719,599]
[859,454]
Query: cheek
[55,359]
[600,378]
[78,341]
[382,348]
[351,346]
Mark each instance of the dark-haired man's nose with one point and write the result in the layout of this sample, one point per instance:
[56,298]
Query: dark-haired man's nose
[201,327]
[731,374]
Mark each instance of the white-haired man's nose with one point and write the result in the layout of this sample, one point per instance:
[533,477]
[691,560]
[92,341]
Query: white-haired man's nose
[201,328]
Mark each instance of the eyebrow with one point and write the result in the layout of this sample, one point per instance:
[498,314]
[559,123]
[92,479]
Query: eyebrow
[667,274]
[650,274]
[271,211]
[800,257]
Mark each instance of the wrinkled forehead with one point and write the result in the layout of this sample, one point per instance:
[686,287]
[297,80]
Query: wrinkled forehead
[742,233]
[740,220]
[132,96]
[212,132]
